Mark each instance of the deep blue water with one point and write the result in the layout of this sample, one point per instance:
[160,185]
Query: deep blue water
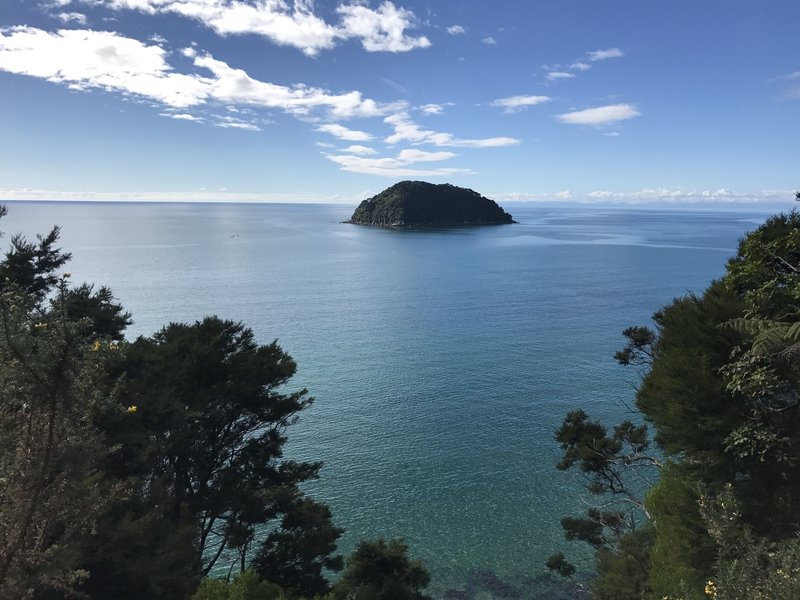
[442,361]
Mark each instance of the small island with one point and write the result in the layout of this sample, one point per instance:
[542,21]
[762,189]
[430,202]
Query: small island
[411,204]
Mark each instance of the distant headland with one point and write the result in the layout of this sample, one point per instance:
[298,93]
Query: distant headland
[422,204]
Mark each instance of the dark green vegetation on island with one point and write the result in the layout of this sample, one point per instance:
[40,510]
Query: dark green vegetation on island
[421,204]
[699,495]
[136,469]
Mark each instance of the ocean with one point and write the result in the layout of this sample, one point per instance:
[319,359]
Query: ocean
[442,360]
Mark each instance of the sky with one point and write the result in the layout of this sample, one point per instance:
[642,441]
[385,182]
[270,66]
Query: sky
[332,101]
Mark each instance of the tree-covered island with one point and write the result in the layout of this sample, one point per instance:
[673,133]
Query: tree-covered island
[422,204]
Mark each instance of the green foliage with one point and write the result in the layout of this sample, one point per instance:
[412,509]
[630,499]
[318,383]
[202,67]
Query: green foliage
[50,382]
[639,349]
[749,567]
[245,586]
[721,394]
[559,564]
[764,272]
[297,555]
[602,457]
[32,266]
[210,426]
[682,553]
[106,319]
[415,203]
[683,394]
[378,570]
[622,574]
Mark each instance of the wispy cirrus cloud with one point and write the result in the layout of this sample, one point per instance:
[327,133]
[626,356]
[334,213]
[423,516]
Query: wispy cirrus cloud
[228,122]
[295,24]
[600,115]
[406,130]
[555,75]
[360,150]
[555,72]
[397,166]
[597,55]
[183,117]
[343,133]
[514,104]
[793,92]
[433,109]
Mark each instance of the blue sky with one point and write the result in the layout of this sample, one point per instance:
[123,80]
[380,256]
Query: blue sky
[296,100]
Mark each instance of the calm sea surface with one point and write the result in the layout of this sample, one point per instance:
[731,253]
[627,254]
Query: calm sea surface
[442,361]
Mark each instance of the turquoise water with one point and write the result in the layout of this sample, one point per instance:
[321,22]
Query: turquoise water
[442,361]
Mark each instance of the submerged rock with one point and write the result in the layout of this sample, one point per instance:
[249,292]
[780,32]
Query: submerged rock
[422,204]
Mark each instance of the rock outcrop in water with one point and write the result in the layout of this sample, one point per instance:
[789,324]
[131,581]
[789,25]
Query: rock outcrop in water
[422,204]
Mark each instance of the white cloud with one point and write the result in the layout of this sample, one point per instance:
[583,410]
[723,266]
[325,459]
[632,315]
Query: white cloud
[158,39]
[517,103]
[72,17]
[200,195]
[343,133]
[489,41]
[293,23]
[652,195]
[325,145]
[580,66]
[565,195]
[412,155]
[456,30]
[399,166]
[790,76]
[387,167]
[182,117]
[678,195]
[381,30]
[553,75]
[601,115]
[406,130]
[235,123]
[86,59]
[360,150]
[235,86]
[434,109]
[604,54]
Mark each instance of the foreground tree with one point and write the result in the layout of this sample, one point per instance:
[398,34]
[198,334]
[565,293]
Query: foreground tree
[720,393]
[210,428]
[378,570]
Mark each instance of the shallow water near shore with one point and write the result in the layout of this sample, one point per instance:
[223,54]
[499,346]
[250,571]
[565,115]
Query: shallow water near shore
[441,360]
